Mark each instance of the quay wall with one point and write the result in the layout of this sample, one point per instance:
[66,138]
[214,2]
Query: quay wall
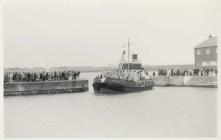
[44,87]
[188,81]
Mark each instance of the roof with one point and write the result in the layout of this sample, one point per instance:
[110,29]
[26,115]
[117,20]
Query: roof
[212,41]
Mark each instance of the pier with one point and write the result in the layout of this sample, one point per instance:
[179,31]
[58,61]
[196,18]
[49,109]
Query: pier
[185,81]
[45,87]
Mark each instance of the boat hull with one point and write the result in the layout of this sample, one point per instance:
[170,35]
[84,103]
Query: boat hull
[117,86]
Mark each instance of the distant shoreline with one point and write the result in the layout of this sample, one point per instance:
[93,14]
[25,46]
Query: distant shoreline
[86,69]
[94,68]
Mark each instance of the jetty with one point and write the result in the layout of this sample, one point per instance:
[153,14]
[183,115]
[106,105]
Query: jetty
[45,87]
[185,81]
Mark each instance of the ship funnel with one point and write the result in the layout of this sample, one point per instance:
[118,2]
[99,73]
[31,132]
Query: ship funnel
[134,57]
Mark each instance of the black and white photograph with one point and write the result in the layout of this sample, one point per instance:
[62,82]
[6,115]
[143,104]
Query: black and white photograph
[110,68]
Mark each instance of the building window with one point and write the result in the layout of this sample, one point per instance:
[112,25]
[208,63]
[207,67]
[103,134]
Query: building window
[198,52]
[212,63]
[207,51]
[204,63]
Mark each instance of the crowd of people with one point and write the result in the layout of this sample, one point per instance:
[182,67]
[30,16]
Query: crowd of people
[40,76]
[185,72]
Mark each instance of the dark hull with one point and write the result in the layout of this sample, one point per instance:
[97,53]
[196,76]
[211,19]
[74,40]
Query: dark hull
[117,86]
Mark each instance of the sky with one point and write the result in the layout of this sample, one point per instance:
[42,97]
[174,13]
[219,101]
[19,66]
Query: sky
[93,32]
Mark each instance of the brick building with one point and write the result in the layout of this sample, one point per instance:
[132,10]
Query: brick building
[205,53]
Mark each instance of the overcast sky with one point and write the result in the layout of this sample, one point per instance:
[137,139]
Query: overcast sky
[92,33]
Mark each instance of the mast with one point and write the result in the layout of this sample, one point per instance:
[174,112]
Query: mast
[128,57]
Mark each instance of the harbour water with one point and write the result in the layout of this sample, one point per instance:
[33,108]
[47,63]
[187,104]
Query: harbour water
[161,112]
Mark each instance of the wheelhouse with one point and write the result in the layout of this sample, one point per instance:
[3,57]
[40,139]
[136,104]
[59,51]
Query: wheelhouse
[132,66]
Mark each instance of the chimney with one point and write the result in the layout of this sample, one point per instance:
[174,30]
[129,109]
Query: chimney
[134,57]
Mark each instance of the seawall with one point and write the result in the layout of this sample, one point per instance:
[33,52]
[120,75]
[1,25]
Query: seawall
[188,81]
[45,87]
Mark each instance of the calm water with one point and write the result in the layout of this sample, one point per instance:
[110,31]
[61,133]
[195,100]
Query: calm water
[164,111]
